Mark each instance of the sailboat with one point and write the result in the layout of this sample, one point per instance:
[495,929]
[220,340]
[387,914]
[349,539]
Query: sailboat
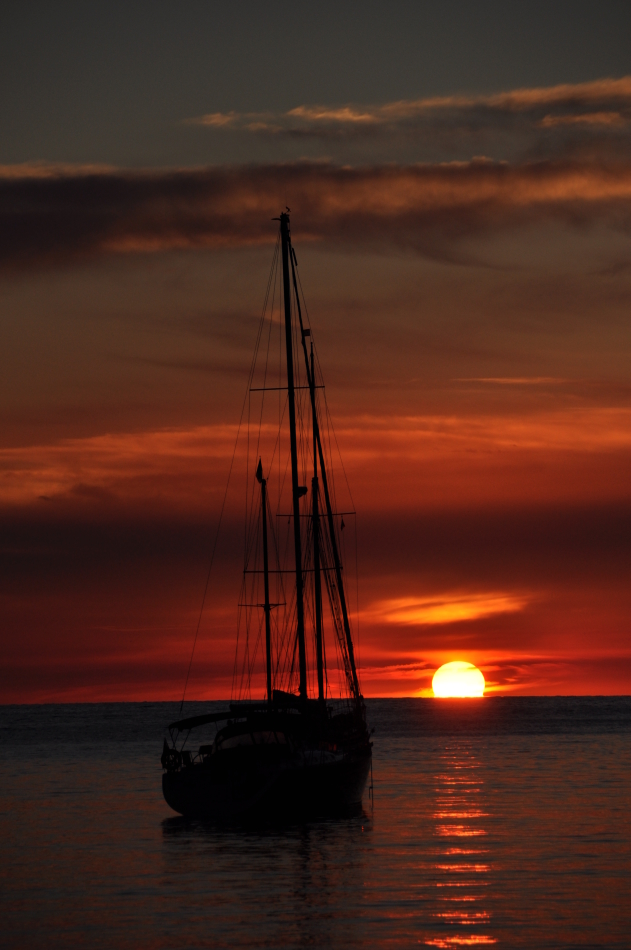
[303,747]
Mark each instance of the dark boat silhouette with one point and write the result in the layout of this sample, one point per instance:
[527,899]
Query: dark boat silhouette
[298,750]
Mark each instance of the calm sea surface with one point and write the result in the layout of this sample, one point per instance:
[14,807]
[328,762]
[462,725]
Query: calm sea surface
[498,821]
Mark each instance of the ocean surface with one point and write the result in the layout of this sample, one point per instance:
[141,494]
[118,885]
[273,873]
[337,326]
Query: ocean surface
[501,821]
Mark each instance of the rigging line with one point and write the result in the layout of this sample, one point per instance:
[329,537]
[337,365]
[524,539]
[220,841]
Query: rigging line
[247,483]
[271,285]
[327,412]
[304,303]
[310,602]
[324,663]
[280,587]
[254,536]
[336,539]
[271,288]
[246,654]
[329,428]
[276,443]
[285,642]
[359,661]
[282,486]
[242,596]
[212,558]
[234,452]
[256,597]
[269,338]
[338,451]
[288,640]
[252,660]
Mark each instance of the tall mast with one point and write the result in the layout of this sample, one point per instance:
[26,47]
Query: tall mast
[295,488]
[266,606]
[317,579]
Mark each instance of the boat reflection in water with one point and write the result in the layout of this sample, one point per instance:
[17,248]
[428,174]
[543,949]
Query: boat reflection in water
[274,884]
[462,859]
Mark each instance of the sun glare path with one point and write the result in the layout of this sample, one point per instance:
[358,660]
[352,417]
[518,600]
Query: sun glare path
[458,679]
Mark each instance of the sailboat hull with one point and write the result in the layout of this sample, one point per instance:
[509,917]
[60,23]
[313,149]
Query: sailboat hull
[311,783]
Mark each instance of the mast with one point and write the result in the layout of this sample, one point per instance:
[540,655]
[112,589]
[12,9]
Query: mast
[297,490]
[266,606]
[317,579]
[329,510]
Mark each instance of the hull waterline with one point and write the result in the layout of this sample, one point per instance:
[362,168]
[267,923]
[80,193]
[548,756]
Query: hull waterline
[311,785]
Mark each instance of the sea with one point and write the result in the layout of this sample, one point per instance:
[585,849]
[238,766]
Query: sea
[493,822]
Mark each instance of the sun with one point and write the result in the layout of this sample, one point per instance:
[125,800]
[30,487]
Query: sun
[458,679]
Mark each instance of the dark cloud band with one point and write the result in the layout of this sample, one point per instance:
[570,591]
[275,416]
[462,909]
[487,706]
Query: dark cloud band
[64,216]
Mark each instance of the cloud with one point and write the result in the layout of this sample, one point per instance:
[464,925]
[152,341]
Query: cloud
[51,216]
[604,102]
[588,118]
[178,463]
[515,380]
[445,609]
[122,465]
[420,438]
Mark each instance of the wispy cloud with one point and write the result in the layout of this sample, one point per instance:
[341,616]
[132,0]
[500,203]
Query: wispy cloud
[106,466]
[445,609]
[52,170]
[584,430]
[139,466]
[604,102]
[52,216]
[588,118]
[515,380]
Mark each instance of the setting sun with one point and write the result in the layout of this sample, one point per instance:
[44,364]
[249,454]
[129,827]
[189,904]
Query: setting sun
[458,678]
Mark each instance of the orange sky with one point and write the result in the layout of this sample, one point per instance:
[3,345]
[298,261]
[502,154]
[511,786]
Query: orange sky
[472,321]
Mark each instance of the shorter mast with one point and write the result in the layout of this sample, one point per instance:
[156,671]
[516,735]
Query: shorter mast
[266,606]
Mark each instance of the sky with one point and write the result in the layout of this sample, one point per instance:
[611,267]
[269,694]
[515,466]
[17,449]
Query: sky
[459,178]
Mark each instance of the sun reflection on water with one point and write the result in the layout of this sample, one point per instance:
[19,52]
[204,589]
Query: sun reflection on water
[461,869]
[473,940]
